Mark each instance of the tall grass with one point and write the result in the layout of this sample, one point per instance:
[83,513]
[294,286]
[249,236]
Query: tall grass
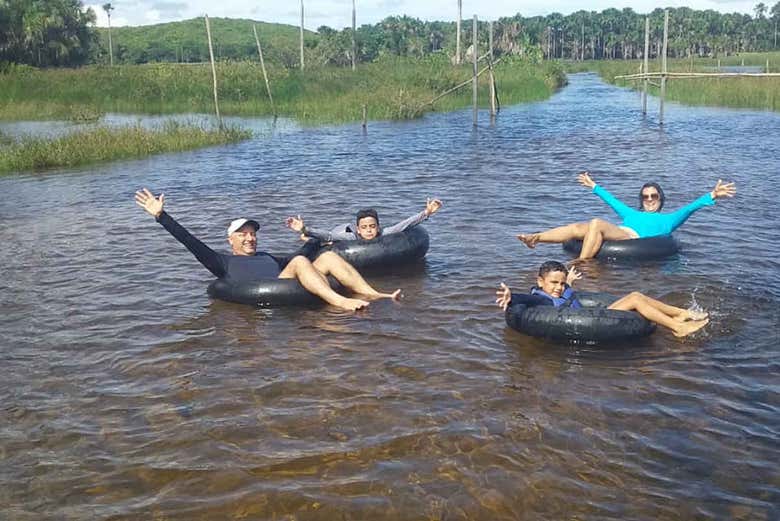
[736,92]
[392,88]
[104,144]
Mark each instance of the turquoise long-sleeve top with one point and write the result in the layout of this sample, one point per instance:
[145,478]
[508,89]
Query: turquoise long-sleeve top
[650,224]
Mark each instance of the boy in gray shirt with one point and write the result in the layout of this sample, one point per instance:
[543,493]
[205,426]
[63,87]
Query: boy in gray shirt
[366,225]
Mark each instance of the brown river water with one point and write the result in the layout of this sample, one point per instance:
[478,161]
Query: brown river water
[127,393]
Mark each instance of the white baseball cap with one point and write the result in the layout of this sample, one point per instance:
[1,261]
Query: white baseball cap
[238,223]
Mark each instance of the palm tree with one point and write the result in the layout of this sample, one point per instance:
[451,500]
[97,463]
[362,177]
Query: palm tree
[35,29]
[108,8]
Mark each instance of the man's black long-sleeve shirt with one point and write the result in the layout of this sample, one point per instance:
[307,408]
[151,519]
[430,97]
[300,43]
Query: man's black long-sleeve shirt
[236,268]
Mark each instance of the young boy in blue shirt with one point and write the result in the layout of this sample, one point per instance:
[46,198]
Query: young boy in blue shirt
[554,283]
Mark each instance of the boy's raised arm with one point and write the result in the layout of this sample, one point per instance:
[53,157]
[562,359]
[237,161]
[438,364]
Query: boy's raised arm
[503,296]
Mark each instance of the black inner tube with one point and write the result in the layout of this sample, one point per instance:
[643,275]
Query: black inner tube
[535,315]
[267,293]
[385,251]
[658,247]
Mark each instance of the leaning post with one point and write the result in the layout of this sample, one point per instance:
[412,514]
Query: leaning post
[265,74]
[213,71]
[475,57]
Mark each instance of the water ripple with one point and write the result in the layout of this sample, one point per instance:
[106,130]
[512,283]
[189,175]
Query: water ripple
[129,394]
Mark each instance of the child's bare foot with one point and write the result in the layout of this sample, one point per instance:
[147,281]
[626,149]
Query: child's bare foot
[350,304]
[529,240]
[686,328]
[692,314]
[395,295]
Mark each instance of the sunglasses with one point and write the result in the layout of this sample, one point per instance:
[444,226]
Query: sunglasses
[651,197]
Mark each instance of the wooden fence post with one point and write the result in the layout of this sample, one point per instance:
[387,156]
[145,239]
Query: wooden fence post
[474,81]
[647,63]
[301,34]
[265,75]
[663,67]
[492,78]
[354,45]
[213,72]
[457,33]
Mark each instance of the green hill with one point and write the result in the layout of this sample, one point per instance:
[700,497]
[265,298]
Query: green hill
[186,41]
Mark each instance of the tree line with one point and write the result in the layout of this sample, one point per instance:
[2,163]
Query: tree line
[615,34]
[47,33]
[610,34]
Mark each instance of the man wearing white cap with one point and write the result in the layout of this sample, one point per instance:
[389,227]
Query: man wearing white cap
[247,264]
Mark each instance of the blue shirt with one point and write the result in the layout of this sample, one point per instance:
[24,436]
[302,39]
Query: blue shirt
[567,298]
[650,224]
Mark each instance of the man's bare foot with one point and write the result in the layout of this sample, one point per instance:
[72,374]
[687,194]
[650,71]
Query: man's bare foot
[692,314]
[350,304]
[686,328]
[529,240]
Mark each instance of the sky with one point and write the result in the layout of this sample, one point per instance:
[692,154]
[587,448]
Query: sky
[338,13]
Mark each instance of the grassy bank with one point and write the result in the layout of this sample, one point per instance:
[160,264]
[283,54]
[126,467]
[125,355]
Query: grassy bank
[392,88]
[105,144]
[740,92]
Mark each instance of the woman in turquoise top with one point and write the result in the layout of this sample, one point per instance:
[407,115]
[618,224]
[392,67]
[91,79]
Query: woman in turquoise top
[645,222]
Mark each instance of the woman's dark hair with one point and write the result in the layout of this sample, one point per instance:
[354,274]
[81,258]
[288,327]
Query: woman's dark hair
[551,266]
[368,212]
[661,196]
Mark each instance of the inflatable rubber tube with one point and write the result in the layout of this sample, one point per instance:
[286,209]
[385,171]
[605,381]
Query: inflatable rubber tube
[658,247]
[267,293]
[592,324]
[389,250]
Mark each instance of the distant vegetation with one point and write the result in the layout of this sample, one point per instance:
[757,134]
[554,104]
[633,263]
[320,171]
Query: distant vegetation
[741,92]
[402,62]
[185,41]
[47,33]
[104,144]
[610,34]
[392,88]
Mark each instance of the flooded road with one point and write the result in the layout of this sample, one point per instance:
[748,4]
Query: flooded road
[128,394]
